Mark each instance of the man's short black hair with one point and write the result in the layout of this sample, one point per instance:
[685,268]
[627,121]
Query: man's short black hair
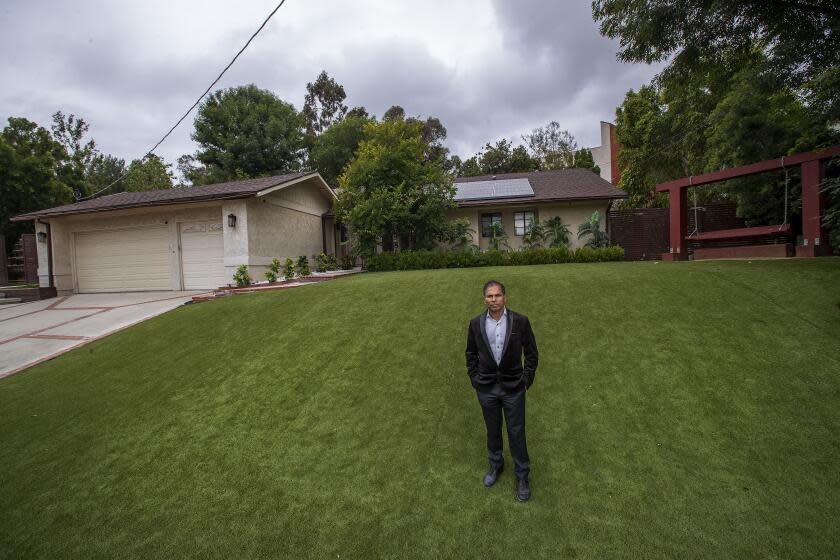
[494,283]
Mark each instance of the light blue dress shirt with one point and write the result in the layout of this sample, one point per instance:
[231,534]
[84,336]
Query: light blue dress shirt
[496,331]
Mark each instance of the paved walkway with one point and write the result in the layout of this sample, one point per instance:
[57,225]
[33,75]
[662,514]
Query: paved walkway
[37,331]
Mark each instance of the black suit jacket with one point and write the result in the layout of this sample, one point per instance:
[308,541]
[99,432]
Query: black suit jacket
[510,372]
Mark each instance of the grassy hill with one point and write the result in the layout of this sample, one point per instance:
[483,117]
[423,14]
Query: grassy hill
[680,410]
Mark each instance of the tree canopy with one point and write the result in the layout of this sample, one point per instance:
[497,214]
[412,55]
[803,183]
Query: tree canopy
[323,105]
[147,174]
[498,158]
[29,174]
[745,81]
[555,148]
[245,132]
[392,192]
[70,132]
[728,115]
[336,147]
[801,38]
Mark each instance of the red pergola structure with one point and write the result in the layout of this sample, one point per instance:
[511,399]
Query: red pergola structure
[814,240]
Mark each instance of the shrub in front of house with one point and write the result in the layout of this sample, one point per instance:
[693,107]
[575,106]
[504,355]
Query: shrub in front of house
[288,269]
[325,262]
[348,262]
[424,259]
[303,266]
[242,277]
[273,271]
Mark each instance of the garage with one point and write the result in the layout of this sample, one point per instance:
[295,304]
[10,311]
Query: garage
[123,260]
[182,238]
[202,255]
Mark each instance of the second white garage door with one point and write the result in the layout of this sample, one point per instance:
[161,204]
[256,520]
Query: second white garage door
[202,255]
[123,260]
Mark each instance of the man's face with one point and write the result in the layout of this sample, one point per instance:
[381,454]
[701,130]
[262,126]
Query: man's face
[494,299]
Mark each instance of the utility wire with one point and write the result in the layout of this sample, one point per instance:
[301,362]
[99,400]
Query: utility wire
[194,105]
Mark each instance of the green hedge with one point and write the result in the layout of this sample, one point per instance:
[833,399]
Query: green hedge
[418,260]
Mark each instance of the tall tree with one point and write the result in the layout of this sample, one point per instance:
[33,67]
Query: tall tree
[394,113]
[552,146]
[729,114]
[584,160]
[433,134]
[640,128]
[358,112]
[468,168]
[70,132]
[499,158]
[756,63]
[391,191]
[102,171]
[800,37]
[246,132]
[335,148]
[29,157]
[323,105]
[147,174]
[556,148]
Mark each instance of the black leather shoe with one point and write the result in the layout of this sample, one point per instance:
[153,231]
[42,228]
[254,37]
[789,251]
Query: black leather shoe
[492,476]
[523,489]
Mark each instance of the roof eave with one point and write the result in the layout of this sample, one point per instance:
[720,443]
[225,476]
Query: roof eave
[323,184]
[208,198]
[526,202]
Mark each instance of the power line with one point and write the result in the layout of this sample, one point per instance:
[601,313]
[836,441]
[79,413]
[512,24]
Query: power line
[194,105]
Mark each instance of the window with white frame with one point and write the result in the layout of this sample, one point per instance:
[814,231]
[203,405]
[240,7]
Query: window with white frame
[522,221]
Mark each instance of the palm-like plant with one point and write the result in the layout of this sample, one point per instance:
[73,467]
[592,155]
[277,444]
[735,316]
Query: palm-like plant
[460,234]
[498,236]
[535,235]
[592,227]
[557,231]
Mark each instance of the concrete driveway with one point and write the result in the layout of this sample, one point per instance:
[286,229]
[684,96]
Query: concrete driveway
[36,331]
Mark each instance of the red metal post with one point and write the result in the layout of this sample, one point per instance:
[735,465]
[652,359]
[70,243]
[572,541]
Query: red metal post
[678,227]
[814,239]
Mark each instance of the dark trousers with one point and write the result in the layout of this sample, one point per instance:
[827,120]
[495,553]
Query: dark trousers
[495,401]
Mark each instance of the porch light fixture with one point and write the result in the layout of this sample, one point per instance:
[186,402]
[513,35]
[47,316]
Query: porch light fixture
[42,236]
[232,220]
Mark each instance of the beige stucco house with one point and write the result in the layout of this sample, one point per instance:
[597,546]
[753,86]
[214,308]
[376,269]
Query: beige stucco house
[519,199]
[183,239]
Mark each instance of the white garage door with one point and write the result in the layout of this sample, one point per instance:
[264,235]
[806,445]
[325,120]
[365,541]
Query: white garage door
[202,255]
[123,260]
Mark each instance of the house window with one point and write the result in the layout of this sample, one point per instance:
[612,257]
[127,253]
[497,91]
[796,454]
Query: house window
[486,220]
[522,221]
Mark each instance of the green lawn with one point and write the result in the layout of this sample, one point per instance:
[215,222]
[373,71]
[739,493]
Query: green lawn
[681,410]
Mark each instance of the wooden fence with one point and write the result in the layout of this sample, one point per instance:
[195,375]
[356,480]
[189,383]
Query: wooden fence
[643,232]
[20,266]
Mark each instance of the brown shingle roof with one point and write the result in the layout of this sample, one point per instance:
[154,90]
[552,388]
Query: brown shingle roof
[562,184]
[234,189]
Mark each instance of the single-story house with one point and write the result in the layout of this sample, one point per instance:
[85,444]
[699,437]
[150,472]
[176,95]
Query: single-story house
[520,199]
[183,239]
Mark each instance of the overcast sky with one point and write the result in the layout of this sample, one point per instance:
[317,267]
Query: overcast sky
[488,69]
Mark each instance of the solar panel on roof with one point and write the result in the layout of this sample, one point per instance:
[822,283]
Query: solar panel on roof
[499,188]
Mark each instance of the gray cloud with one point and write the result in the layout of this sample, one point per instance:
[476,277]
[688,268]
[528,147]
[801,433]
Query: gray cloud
[488,71]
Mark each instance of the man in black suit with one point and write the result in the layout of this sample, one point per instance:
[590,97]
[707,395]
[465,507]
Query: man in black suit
[496,341]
